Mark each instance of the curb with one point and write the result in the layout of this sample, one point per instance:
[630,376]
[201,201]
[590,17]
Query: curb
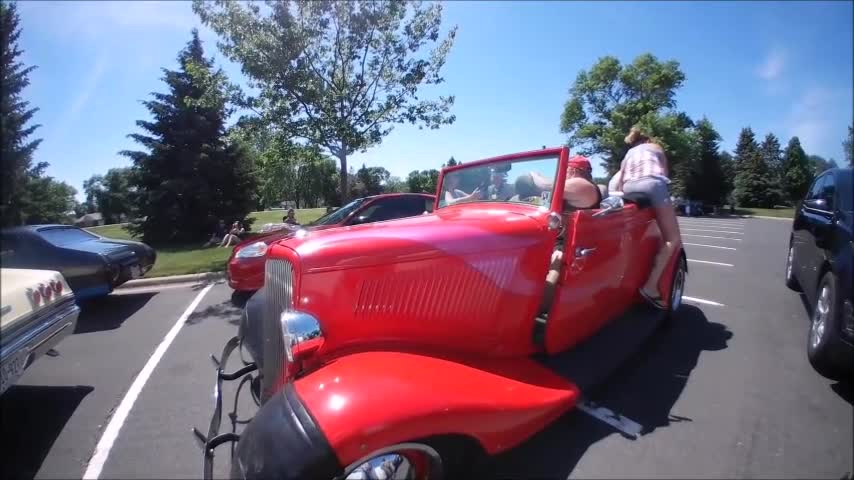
[772,218]
[191,278]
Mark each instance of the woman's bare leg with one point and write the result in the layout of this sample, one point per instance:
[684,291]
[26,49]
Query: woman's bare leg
[671,240]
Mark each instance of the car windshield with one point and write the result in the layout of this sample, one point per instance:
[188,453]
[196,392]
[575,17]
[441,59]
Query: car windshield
[337,216]
[525,180]
[66,236]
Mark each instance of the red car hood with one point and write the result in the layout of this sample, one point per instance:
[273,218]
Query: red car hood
[270,237]
[457,230]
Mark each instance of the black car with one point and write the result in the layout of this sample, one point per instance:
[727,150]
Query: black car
[821,265]
[92,265]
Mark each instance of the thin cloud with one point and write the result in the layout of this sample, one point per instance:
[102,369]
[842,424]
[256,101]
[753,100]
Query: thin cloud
[773,65]
[87,88]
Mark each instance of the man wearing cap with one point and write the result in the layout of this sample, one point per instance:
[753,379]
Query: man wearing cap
[579,191]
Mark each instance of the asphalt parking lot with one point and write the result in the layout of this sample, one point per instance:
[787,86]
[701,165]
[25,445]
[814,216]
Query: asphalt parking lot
[726,392]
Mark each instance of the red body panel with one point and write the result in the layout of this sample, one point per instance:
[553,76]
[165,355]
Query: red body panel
[597,287]
[449,280]
[247,274]
[369,400]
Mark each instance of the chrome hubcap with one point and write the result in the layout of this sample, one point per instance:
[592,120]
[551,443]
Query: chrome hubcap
[404,461]
[789,262]
[819,319]
[382,467]
[678,287]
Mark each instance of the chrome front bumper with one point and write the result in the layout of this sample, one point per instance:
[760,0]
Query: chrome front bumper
[22,346]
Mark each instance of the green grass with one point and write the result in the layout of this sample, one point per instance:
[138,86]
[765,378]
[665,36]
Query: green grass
[180,260]
[781,212]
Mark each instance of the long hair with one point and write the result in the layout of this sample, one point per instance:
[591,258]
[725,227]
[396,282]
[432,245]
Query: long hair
[637,136]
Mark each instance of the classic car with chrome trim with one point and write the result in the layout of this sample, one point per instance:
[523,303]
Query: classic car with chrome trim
[38,311]
[245,267]
[91,264]
[402,349]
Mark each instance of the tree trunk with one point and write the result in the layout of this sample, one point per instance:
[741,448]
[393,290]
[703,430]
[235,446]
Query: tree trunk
[342,158]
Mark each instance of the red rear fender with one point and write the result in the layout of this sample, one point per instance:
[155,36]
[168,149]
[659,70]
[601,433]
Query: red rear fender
[365,401]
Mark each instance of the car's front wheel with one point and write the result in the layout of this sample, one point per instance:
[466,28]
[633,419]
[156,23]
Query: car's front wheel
[791,281]
[433,459]
[825,350]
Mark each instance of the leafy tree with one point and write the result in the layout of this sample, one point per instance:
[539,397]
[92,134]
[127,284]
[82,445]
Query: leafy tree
[848,147]
[339,74]
[820,164]
[708,183]
[797,171]
[395,185]
[451,163]
[372,179]
[424,181]
[606,101]
[189,176]
[92,187]
[16,142]
[753,184]
[110,194]
[49,201]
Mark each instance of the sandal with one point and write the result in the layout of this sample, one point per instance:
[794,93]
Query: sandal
[655,301]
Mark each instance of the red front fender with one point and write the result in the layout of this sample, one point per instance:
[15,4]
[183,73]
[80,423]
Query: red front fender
[366,401]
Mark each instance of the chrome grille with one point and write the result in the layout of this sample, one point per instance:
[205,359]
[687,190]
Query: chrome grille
[278,294]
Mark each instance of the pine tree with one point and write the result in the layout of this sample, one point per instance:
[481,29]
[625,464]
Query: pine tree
[773,157]
[797,171]
[190,177]
[17,147]
[753,187]
[707,182]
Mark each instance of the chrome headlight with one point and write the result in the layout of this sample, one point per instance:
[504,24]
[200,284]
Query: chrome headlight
[297,328]
[257,249]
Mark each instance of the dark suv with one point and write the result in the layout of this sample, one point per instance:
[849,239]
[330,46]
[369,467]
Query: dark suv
[821,254]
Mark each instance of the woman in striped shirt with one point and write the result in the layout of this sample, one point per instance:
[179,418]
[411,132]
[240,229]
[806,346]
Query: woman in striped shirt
[644,170]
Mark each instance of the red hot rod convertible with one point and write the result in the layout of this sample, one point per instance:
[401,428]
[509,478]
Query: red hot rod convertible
[397,349]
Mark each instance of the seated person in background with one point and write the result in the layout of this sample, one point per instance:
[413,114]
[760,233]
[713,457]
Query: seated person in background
[499,189]
[233,235]
[217,235]
[290,218]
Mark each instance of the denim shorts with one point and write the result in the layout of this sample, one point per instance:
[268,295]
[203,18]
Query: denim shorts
[653,187]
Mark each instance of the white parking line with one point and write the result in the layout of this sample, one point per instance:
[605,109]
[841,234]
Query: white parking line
[734,232]
[710,246]
[703,301]
[102,450]
[153,289]
[704,224]
[707,236]
[711,263]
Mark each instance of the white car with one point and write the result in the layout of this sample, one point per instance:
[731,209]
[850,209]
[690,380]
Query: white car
[37,311]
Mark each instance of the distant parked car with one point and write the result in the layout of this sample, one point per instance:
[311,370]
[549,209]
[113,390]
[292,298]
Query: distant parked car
[245,267]
[38,311]
[91,264]
[820,263]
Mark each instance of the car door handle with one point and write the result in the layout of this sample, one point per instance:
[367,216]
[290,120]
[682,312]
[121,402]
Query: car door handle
[584,252]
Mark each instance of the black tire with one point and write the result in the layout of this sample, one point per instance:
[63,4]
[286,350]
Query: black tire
[791,280]
[677,289]
[827,353]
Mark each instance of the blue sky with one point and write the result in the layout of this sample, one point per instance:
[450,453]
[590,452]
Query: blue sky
[781,67]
